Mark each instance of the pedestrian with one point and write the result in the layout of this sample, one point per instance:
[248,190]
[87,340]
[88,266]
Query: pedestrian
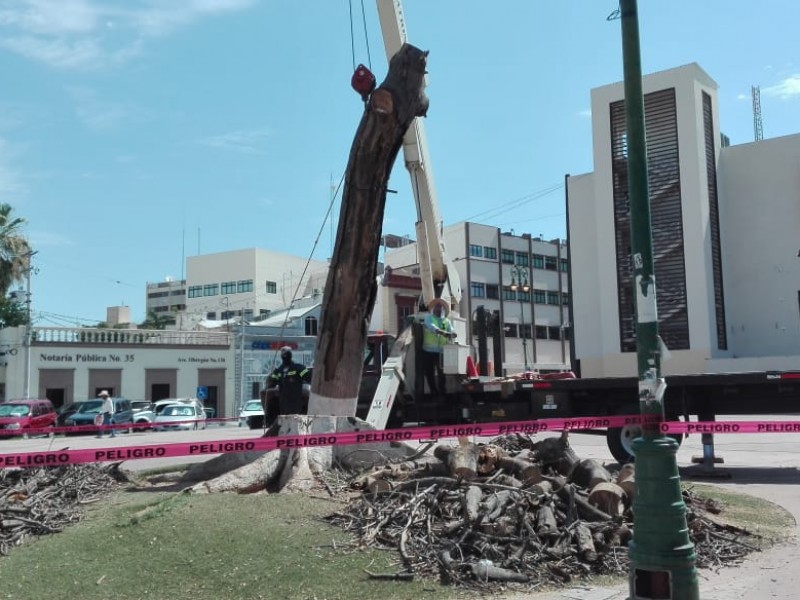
[106,413]
[289,378]
[437,331]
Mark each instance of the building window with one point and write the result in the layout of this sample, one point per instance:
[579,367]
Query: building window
[526,330]
[490,252]
[555,332]
[211,289]
[492,291]
[539,296]
[244,285]
[228,287]
[476,251]
[160,308]
[227,314]
[541,332]
[195,291]
[311,325]
[508,293]
[507,257]
[564,264]
[550,263]
[272,287]
[178,292]
[511,330]
[157,295]
[522,259]
[538,261]
[524,296]
[477,290]
[564,298]
[263,312]
[552,297]
[211,316]
[248,314]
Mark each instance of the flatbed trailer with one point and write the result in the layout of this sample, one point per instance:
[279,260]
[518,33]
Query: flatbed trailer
[701,397]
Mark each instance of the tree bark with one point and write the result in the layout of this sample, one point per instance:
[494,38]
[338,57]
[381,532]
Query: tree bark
[351,285]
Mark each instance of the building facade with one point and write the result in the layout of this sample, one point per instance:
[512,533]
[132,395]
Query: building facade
[489,262]
[66,364]
[166,299]
[724,229]
[249,283]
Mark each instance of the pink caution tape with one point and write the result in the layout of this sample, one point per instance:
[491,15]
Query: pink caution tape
[263,444]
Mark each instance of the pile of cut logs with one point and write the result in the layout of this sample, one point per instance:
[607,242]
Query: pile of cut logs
[511,513]
[41,501]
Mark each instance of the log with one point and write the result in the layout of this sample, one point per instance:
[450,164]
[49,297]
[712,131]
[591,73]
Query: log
[525,471]
[461,460]
[546,524]
[351,286]
[627,481]
[608,497]
[586,510]
[472,500]
[588,472]
[556,453]
[584,542]
[488,457]
[483,570]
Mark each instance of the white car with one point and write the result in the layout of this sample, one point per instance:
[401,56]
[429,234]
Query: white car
[180,415]
[252,408]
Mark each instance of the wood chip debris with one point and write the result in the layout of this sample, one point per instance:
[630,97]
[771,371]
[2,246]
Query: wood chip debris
[514,514]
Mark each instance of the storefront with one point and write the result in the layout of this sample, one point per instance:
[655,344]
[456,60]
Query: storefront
[68,364]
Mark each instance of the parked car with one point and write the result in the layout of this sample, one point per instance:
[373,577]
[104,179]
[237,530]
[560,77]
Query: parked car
[18,415]
[181,415]
[252,408]
[67,411]
[143,414]
[86,415]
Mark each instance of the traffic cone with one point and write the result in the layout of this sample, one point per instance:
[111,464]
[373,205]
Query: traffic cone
[472,371]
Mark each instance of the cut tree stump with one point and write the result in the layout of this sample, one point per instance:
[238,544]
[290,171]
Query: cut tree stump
[293,469]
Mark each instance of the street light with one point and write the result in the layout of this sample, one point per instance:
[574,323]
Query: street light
[519,281]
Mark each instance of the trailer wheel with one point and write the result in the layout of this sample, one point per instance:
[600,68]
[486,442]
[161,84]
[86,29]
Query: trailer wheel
[620,439]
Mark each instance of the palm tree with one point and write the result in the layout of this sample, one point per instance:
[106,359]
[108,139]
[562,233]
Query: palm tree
[15,252]
[155,321]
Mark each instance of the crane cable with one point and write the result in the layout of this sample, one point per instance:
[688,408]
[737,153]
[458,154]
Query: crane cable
[353,36]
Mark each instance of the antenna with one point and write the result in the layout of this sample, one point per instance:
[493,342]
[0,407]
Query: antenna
[758,125]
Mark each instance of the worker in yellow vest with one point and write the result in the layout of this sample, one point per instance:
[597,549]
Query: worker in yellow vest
[437,331]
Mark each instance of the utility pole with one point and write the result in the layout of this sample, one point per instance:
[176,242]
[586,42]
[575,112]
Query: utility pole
[28,327]
[661,553]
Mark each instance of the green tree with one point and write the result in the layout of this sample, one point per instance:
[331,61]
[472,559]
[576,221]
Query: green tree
[12,313]
[15,252]
[155,321]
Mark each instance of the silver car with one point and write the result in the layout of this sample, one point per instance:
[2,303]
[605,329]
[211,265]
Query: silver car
[180,415]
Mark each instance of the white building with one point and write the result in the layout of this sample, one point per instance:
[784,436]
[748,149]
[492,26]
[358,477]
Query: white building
[535,323]
[250,282]
[725,224]
[166,299]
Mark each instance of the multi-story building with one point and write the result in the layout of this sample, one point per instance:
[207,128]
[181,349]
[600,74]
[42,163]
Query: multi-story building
[724,220]
[166,299]
[521,278]
[249,283]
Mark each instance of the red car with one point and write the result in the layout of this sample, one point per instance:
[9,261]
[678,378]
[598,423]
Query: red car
[17,416]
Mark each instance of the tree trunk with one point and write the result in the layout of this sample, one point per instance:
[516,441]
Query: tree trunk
[351,286]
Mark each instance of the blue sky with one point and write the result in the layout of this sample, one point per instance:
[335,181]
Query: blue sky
[134,133]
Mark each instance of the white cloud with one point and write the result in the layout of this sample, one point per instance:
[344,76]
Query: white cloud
[743,97]
[787,89]
[86,34]
[586,113]
[243,141]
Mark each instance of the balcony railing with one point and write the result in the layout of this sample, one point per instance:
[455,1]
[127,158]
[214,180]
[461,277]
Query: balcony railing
[138,337]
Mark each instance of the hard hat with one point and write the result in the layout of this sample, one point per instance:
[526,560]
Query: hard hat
[432,305]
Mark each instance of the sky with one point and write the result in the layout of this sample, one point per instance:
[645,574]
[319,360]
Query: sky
[136,133]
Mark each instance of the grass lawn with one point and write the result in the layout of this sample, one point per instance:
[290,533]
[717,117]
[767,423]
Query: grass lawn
[162,545]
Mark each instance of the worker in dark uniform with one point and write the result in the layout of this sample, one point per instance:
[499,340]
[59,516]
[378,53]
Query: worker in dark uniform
[289,378]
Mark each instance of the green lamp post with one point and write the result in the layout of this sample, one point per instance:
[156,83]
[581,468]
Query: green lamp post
[662,555]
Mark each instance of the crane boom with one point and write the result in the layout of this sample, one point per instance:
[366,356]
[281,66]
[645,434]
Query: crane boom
[439,277]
